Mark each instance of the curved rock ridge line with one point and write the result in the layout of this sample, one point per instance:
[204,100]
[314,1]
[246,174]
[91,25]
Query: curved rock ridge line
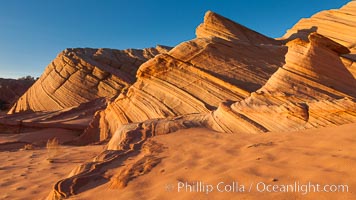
[194,77]
[80,75]
[216,25]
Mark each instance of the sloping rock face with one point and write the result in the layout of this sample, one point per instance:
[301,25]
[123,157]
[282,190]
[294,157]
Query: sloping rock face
[226,61]
[11,90]
[80,75]
[313,89]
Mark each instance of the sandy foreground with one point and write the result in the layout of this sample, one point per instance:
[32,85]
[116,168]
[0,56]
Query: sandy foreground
[322,156]
[28,174]
[201,164]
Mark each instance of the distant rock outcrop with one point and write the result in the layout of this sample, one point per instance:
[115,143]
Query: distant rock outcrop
[11,90]
[80,75]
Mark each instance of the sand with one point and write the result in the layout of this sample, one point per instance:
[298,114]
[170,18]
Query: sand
[27,174]
[320,156]
[197,156]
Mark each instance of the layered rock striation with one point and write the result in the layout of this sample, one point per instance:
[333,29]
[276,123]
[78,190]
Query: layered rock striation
[226,61]
[312,89]
[80,75]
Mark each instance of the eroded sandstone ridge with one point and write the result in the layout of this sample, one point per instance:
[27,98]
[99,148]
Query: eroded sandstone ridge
[80,75]
[229,79]
[299,95]
[226,61]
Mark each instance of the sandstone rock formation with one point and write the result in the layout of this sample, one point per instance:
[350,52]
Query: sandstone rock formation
[217,26]
[34,129]
[226,61]
[74,118]
[313,89]
[247,57]
[11,90]
[266,85]
[295,97]
[80,75]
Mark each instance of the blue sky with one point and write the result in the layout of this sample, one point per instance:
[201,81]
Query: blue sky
[33,32]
